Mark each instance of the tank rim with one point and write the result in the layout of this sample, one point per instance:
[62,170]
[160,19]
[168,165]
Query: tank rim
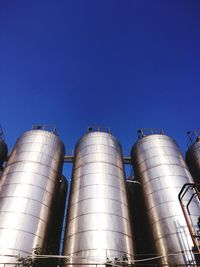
[98,133]
[150,136]
[39,131]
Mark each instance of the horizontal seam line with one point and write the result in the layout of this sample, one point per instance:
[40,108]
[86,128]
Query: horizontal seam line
[107,213]
[100,230]
[43,188]
[9,172]
[73,191]
[75,177]
[73,203]
[106,162]
[18,212]
[1,197]
[167,164]
[20,230]
[30,161]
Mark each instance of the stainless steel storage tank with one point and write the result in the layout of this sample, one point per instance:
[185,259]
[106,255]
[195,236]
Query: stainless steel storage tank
[98,226]
[159,165]
[193,154]
[27,191]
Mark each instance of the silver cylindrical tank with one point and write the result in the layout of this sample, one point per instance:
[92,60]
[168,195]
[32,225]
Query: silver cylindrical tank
[27,191]
[98,226]
[159,165]
[193,159]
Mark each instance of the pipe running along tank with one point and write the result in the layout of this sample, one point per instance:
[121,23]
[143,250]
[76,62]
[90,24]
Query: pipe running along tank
[98,226]
[27,190]
[159,165]
[193,154]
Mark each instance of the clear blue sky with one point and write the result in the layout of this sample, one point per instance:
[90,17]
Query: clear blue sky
[121,64]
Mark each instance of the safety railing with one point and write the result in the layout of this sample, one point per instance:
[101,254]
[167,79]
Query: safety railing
[186,210]
[148,131]
[38,260]
[46,127]
[96,265]
[98,129]
[193,136]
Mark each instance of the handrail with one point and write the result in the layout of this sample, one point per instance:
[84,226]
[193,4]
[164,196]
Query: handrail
[186,211]
[46,127]
[98,129]
[193,136]
[149,131]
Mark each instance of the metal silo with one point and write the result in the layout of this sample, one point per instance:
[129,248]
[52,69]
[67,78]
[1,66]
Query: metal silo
[193,154]
[159,165]
[98,226]
[27,190]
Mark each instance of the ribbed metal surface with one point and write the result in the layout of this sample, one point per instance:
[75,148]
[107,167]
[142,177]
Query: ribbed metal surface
[162,171]
[98,226]
[193,160]
[27,190]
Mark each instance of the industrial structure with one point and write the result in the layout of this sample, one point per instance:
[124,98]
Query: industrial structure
[28,189]
[160,167]
[98,225]
[193,154]
[149,219]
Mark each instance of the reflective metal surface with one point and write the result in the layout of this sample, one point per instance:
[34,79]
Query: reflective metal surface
[27,191]
[98,225]
[193,160]
[162,171]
